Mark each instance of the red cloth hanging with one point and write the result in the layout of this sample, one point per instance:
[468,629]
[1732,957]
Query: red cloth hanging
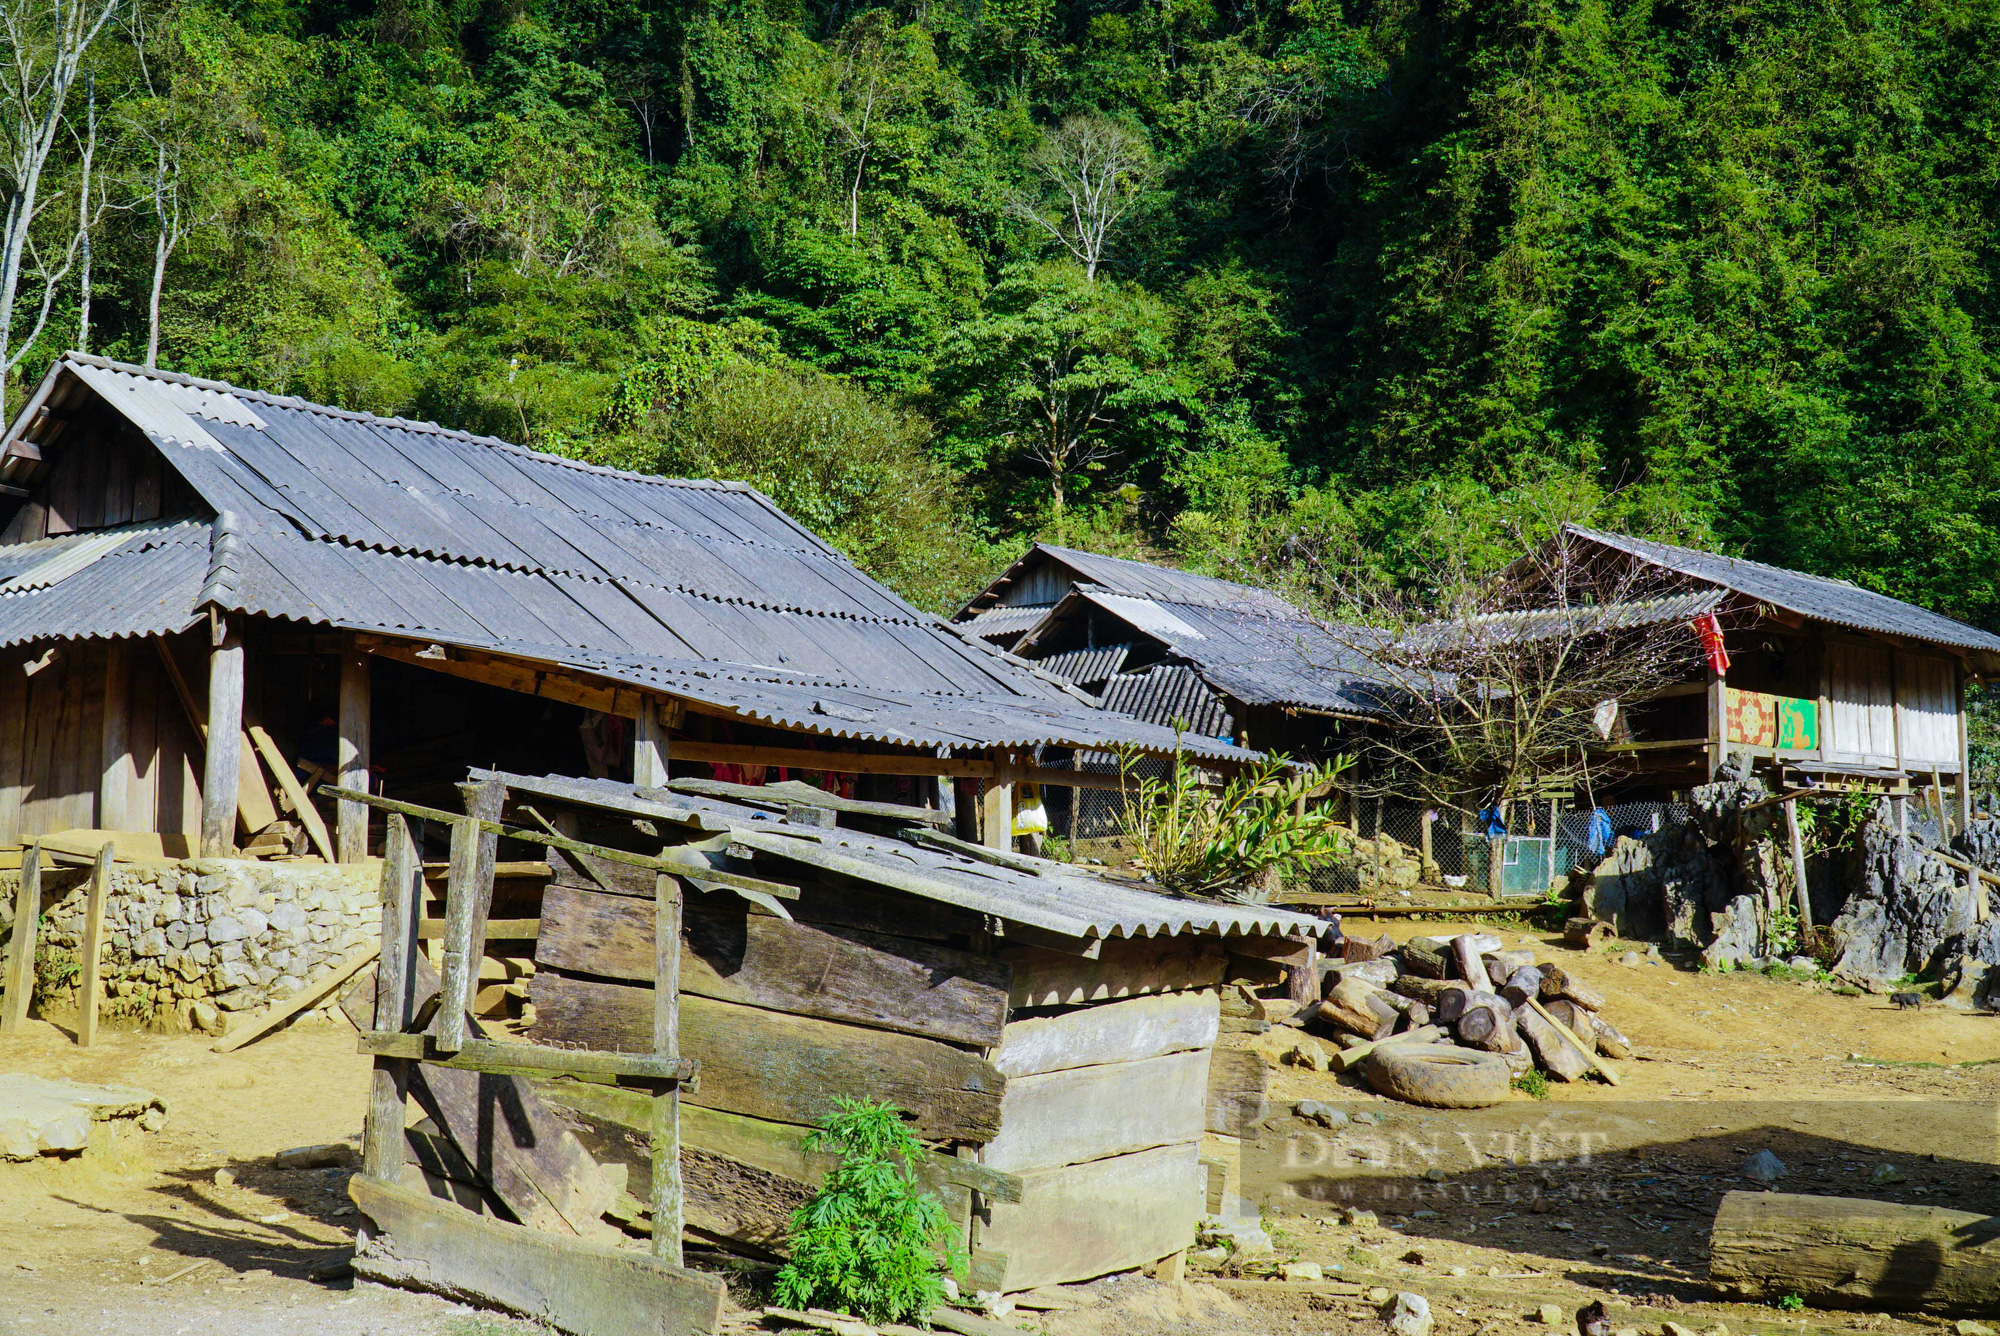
[1709,628]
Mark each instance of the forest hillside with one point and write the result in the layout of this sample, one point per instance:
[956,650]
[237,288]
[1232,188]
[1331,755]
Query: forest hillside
[1246,286]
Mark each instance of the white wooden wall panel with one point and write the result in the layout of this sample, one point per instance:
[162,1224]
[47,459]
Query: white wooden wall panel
[1861,701]
[1927,711]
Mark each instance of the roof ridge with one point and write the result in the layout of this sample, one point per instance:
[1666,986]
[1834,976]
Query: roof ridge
[1605,535]
[416,425]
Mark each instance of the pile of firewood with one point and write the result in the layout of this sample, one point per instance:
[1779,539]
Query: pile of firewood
[1467,991]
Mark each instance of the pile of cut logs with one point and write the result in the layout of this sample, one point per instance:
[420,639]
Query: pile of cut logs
[1465,990]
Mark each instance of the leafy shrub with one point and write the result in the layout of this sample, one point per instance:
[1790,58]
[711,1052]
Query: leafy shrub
[1197,840]
[871,1241]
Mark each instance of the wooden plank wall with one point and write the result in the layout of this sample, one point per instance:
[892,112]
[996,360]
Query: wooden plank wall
[51,734]
[101,475]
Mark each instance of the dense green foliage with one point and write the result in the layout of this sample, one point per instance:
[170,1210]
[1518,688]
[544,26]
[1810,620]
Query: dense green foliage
[871,1240]
[1239,842]
[1368,269]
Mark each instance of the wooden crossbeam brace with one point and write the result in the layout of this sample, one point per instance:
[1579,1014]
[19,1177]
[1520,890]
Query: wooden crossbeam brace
[487,1055]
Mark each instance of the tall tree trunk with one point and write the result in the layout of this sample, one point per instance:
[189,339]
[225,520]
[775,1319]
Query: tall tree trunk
[153,298]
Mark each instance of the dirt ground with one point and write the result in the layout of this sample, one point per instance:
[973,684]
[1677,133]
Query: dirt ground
[1596,1193]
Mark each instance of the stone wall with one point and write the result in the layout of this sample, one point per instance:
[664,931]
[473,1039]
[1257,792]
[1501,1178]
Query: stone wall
[188,942]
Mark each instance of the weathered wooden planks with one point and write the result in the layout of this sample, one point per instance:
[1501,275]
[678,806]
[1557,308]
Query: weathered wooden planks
[1086,1220]
[1124,967]
[578,1287]
[1142,1027]
[90,988]
[785,1068]
[733,955]
[1237,1087]
[501,1125]
[1088,1113]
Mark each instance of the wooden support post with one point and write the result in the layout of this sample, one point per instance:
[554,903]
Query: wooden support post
[19,977]
[90,988]
[1964,762]
[996,812]
[460,968]
[484,801]
[1427,864]
[356,711]
[1554,809]
[395,1001]
[115,751]
[1718,723]
[667,1205]
[224,742]
[649,747]
[1798,861]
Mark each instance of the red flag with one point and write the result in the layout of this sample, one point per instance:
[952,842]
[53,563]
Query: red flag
[1710,630]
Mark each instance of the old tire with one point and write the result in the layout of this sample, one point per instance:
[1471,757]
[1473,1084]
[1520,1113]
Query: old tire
[1442,1077]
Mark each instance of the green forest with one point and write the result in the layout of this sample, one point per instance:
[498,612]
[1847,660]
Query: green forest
[1243,285]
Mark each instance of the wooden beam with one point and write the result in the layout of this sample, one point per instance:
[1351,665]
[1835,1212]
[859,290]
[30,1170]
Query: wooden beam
[116,767]
[395,1004]
[459,968]
[314,990]
[568,1284]
[90,989]
[351,765]
[18,979]
[487,1055]
[996,813]
[668,1207]
[1798,848]
[649,747]
[288,783]
[223,766]
[254,809]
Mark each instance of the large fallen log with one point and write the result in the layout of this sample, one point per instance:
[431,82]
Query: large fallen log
[1557,1055]
[1839,1252]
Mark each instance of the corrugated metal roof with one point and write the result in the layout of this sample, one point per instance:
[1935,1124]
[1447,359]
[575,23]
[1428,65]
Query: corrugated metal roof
[1833,601]
[1547,623]
[1038,893]
[698,587]
[1007,621]
[1172,696]
[141,580]
[1084,666]
[1260,660]
[1121,575]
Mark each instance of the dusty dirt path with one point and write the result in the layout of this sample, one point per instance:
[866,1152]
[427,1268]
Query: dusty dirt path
[1627,1178]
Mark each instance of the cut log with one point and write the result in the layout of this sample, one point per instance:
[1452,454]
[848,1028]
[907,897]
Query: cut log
[1465,952]
[1425,960]
[1349,1007]
[785,1068]
[1584,933]
[1483,1027]
[1604,1068]
[1609,1042]
[1430,992]
[1576,1019]
[1362,948]
[1559,982]
[1455,1004]
[1349,1058]
[1557,1056]
[1522,984]
[1417,1016]
[1839,1252]
[733,955]
[1379,973]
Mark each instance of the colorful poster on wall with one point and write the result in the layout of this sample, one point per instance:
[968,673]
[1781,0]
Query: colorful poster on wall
[1787,723]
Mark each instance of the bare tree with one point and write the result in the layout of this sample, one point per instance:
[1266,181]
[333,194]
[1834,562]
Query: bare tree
[866,81]
[1096,169]
[1517,681]
[161,125]
[47,41]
